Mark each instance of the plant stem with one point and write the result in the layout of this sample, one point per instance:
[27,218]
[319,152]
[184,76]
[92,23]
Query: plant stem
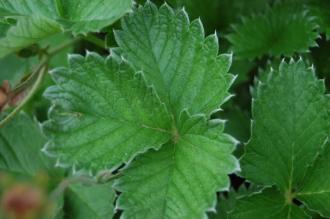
[31,93]
[95,40]
[69,181]
[61,47]
[40,71]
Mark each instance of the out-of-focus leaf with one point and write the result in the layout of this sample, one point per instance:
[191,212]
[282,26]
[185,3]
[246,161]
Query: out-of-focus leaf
[87,202]
[266,204]
[20,147]
[37,20]
[282,30]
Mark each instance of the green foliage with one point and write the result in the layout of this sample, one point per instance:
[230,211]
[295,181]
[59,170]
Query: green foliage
[281,30]
[290,129]
[17,147]
[179,180]
[176,58]
[93,201]
[321,10]
[37,20]
[267,204]
[315,191]
[103,112]
[131,119]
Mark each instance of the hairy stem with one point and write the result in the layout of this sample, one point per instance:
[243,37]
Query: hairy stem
[39,72]
[31,93]
[95,40]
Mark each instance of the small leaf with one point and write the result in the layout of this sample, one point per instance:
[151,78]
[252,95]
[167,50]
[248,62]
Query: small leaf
[20,141]
[321,10]
[228,200]
[94,201]
[281,30]
[37,20]
[27,31]
[267,204]
[104,114]
[290,127]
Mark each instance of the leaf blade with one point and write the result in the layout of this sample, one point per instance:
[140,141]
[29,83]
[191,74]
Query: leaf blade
[104,113]
[290,127]
[282,30]
[95,201]
[182,65]
[179,180]
[16,152]
[267,204]
[82,17]
[315,192]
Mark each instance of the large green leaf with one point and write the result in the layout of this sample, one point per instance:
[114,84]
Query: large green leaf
[20,147]
[290,127]
[86,202]
[269,204]
[104,114]
[177,59]
[37,20]
[315,191]
[179,180]
[281,30]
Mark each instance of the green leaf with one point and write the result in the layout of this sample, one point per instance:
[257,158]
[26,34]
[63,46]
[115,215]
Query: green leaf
[281,30]
[177,59]
[61,58]
[90,16]
[37,20]
[20,147]
[217,14]
[179,180]
[94,201]
[28,8]
[269,204]
[237,121]
[4,26]
[104,114]
[14,68]
[27,31]
[321,9]
[228,200]
[315,192]
[290,127]
[34,22]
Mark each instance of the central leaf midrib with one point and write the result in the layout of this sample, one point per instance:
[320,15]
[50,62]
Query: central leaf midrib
[170,182]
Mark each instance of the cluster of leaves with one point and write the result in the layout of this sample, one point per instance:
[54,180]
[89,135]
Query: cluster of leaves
[145,126]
